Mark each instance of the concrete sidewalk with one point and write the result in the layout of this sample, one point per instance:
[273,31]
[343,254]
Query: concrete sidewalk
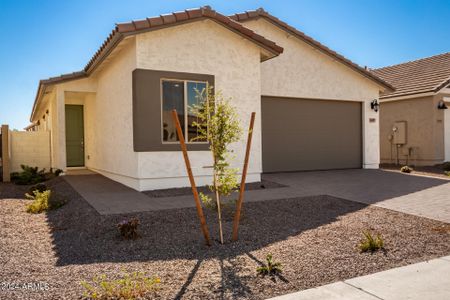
[426,280]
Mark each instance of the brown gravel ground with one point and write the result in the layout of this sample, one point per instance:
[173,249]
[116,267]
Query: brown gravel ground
[433,171]
[314,238]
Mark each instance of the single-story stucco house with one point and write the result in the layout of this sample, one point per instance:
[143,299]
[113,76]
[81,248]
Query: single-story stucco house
[414,119]
[313,105]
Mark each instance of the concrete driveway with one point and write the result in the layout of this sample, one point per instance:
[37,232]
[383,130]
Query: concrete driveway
[417,195]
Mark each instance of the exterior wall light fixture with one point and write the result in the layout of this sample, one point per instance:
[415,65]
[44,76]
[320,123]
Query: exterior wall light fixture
[375,105]
[442,105]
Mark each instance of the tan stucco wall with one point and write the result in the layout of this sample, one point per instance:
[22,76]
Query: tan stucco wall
[425,129]
[106,100]
[30,148]
[206,48]
[304,72]
[110,116]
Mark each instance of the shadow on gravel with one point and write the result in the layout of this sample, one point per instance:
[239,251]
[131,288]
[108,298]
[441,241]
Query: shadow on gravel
[10,190]
[82,236]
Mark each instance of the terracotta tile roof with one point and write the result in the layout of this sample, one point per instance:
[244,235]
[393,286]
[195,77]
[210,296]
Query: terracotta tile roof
[419,76]
[134,27]
[138,26]
[261,13]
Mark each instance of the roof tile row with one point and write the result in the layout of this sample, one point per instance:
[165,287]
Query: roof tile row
[428,74]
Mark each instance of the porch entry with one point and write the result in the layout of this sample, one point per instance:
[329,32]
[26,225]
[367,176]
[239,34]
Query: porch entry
[74,136]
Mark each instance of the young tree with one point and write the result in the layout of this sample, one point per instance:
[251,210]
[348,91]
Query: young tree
[218,123]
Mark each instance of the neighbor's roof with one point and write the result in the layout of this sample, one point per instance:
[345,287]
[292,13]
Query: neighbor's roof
[424,75]
[261,13]
[134,27]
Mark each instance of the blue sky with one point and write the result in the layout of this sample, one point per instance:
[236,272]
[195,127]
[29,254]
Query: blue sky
[46,38]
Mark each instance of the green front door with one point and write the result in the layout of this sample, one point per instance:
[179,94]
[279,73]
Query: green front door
[74,136]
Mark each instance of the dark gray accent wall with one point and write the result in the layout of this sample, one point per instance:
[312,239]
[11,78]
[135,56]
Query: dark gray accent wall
[307,134]
[147,109]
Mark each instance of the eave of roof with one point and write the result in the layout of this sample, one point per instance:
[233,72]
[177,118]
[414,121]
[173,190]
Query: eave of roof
[135,27]
[425,75]
[261,13]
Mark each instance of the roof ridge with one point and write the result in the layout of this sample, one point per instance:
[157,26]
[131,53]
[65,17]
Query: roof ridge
[412,61]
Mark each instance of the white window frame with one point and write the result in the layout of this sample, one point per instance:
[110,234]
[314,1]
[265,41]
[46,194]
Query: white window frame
[185,100]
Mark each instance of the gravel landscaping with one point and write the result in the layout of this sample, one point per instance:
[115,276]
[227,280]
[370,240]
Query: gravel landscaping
[433,171]
[314,238]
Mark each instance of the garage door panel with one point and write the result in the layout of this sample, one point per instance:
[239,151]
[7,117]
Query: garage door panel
[304,134]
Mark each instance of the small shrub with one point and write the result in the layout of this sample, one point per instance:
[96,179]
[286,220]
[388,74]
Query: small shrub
[28,175]
[446,166]
[447,173]
[44,201]
[58,172]
[270,268]
[129,286]
[406,169]
[128,228]
[40,201]
[37,187]
[369,243]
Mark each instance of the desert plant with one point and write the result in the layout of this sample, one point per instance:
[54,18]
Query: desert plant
[218,124]
[370,243]
[40,201]
[28,175]
[128,286]
[447,173]
[406,169]
[446,166]
[58,172]
[37,187]
[128,228]
[270,268]
[44,201]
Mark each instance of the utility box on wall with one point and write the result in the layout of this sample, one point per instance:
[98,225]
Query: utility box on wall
[399,133]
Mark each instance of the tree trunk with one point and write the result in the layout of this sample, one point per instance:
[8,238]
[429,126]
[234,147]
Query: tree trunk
[219,214]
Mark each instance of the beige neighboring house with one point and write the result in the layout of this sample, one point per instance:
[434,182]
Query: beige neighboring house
[312,104]
[414,119]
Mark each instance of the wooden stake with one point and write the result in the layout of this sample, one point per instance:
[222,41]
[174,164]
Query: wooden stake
[191,178]
[237,215]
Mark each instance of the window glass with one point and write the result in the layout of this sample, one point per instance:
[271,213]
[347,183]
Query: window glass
[196,92]
[173,98]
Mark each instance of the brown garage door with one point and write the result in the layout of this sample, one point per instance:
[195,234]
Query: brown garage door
[303,134]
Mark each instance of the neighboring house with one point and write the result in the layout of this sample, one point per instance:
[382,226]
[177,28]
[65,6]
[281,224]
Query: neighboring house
[312,104]
[414,120]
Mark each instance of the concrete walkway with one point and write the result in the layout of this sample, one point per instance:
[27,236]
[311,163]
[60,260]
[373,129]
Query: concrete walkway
[426,280]
[421,196]
[110,197]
